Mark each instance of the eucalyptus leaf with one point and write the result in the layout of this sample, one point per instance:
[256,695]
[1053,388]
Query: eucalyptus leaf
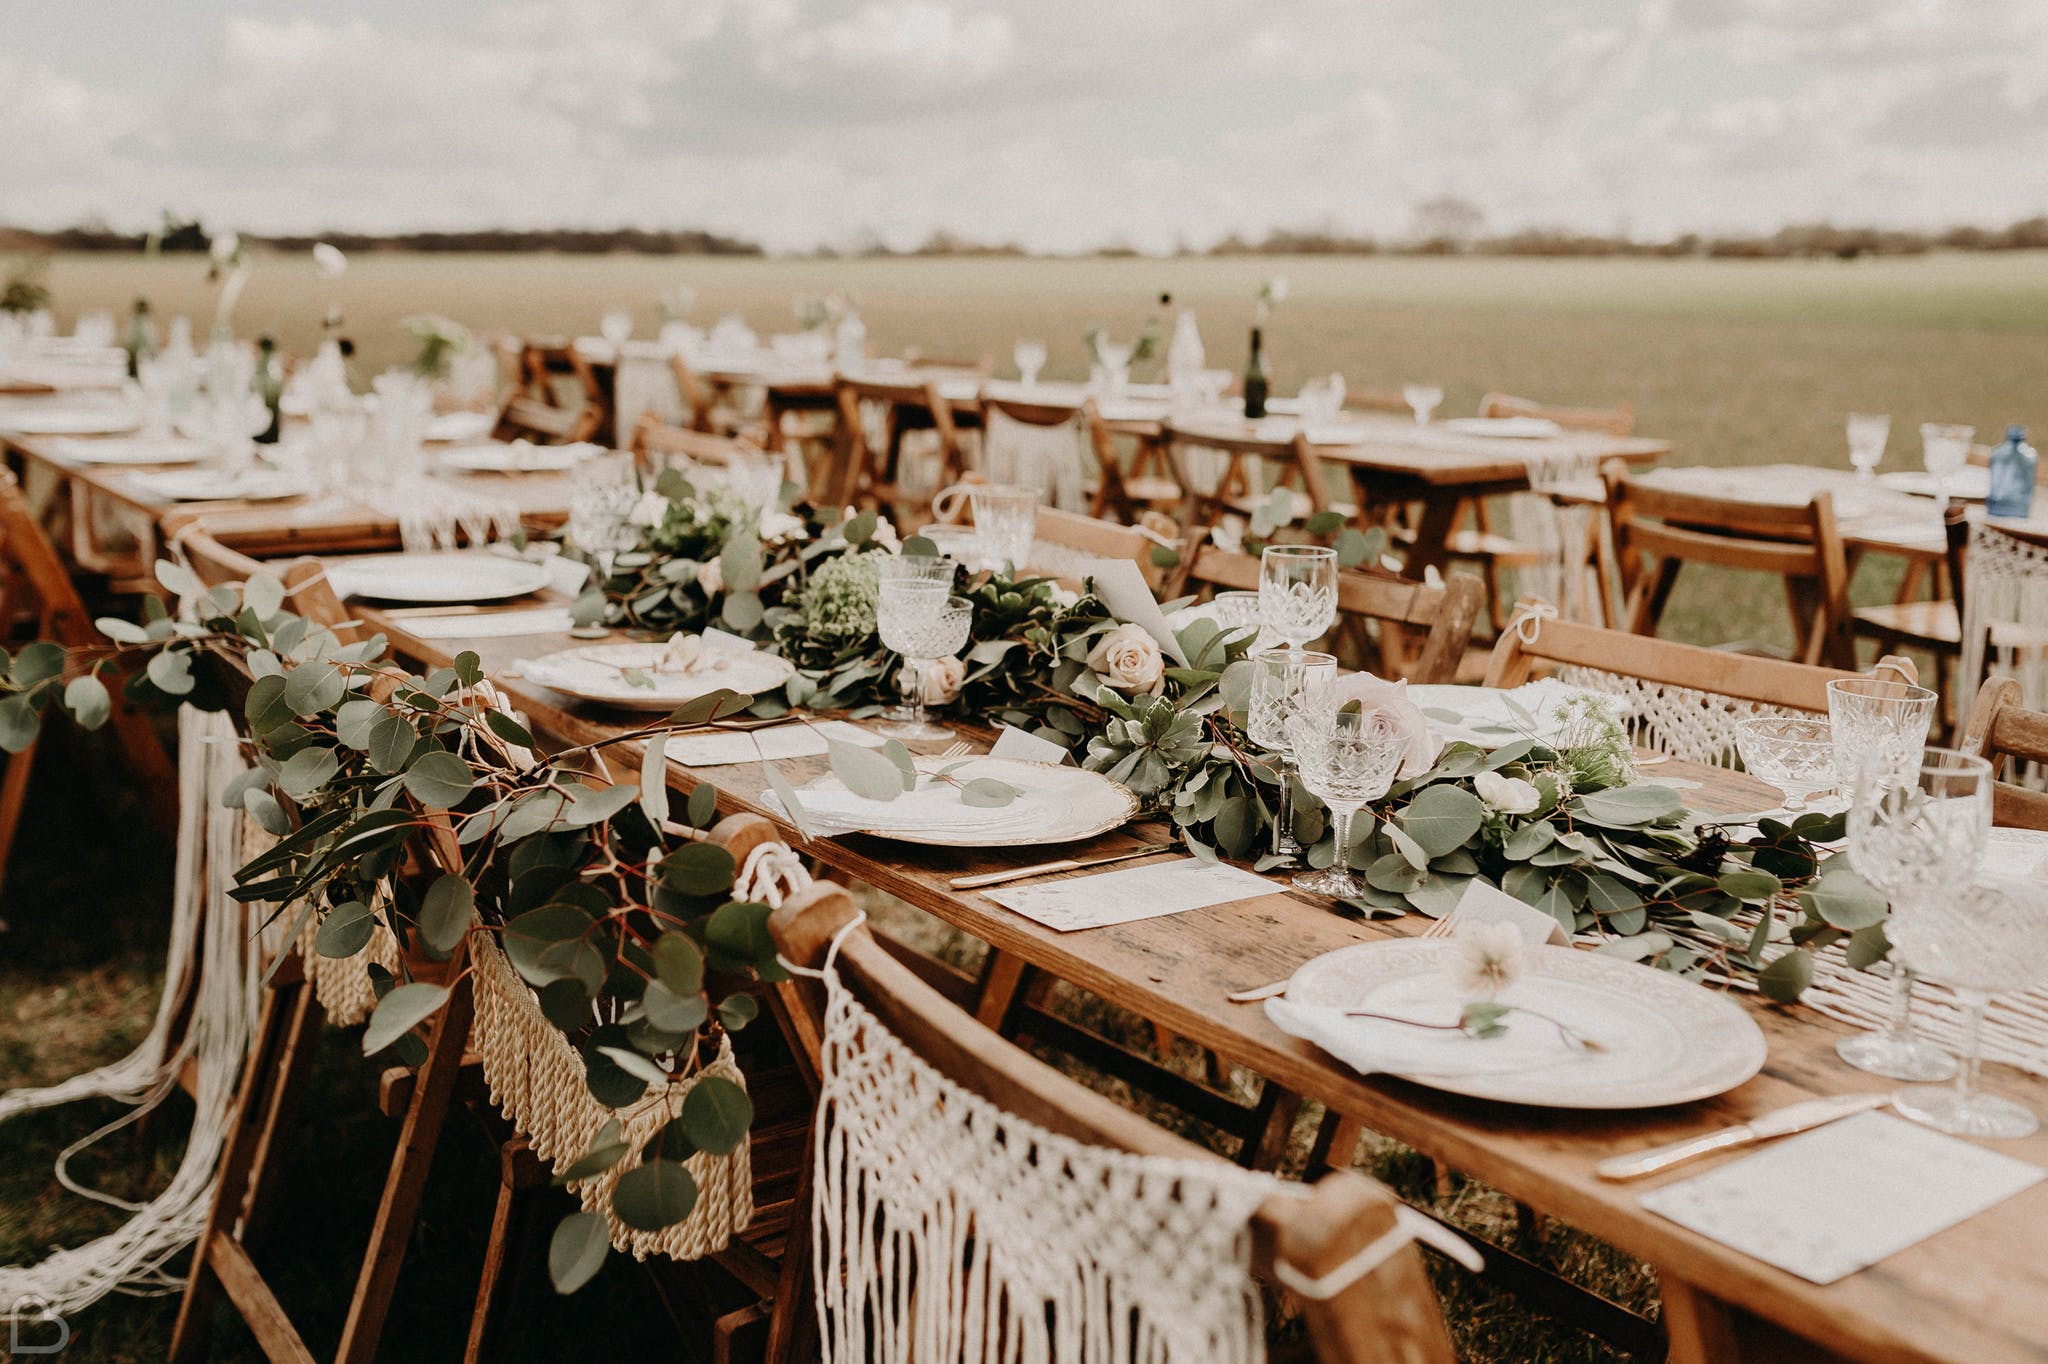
[346,930]
[678,963]
[698,869]
[864,772]
[85,696]
[445,912]
[655,1195]
[989,793]
[654,780]
[170,672]
[578,1248]
[716,1115]
[439,780]
[1787,977]
[1442,817]
[399,1012]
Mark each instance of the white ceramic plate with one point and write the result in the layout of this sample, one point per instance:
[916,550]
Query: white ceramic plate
[69,421]
[1971,483]
[1059,804]
[132,450]
[517,457]
[1509,428]
[460,426]
[435,579]
[1666,1040]
[2016,852]
[604,673]
[218,485]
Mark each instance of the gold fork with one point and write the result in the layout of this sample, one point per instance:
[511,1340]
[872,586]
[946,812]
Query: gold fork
[956,750]
[1442,928]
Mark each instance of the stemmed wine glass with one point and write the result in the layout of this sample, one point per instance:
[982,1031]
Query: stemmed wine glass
[1944,450]
[924,568]
[1346,758]
[599,528]
[1281,679]
[924,622]
[1005,524]
[1795,753]
[1868,431]
[1983,939]
[1030,358]
[1915,834]
[1422,399]
[1298,592]
[1870,719]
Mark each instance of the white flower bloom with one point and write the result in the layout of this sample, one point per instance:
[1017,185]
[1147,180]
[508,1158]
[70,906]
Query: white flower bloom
[1509,795]
[711,577]
[1129,660]
[885,536]
[223,246]
[329,261]
[1489,959]
[485,697]
[781,528]
[683,653]
[650,511]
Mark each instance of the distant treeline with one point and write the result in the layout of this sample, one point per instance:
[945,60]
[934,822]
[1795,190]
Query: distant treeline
[1461,237]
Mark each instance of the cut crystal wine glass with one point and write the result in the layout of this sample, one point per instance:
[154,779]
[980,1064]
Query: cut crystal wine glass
[924,622]
[1868,432]
[1422,399]
[1280,679]
[912,568]
[1914,835]
[1985,939]
[1944,449]
[1795,753]
[1298,592]
[1345,758]
[1030,358]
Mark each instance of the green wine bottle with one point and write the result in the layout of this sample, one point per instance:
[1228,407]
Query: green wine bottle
[270,384]
[141,343]
[1255,378]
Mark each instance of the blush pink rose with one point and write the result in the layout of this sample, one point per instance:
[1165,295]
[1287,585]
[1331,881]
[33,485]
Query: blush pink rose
[1391,699]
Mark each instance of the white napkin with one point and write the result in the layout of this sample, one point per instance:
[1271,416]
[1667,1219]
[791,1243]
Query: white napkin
[538,620]
[454,426]
[1373,1046]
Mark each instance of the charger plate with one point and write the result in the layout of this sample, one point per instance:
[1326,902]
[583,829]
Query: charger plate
[1060,804]
[437,578]
[607,673]
[1667,1040]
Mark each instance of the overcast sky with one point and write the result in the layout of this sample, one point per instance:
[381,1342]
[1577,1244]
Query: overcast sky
[1061,124]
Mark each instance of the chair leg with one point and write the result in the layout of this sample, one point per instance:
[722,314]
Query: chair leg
[13,800]
[520,1177]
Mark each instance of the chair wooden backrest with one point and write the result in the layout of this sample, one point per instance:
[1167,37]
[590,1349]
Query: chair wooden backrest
[1016,436]
[860,472]
[948,367]
[1612,421]
[2007,733]
[1536,639]
[305,579]
[656,445]
[700,400]
[1064,542]
[543,361]
[1446,612]
[1389,1313]
[1217,470]
[530,419]
[1658,529]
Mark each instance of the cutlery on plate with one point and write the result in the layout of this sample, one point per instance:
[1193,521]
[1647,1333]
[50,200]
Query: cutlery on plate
[1782,1122]
[997,878]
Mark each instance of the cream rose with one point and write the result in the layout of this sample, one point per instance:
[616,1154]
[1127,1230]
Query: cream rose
[942,679]
[682,654]
[711,577]
[650,511]
[1129,660]
[1509,795]
[1391,699]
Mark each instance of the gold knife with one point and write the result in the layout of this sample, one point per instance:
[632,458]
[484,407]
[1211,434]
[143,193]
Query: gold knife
[1782,1122]
[997,878]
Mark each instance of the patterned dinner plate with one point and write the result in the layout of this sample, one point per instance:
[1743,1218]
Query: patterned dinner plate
[1663,1039]
[629,675]
[437,578]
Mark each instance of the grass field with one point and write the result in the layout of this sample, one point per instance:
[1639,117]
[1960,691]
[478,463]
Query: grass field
[1738,362]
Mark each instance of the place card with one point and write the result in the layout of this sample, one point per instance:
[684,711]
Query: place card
[1829,1202]
[718,748]
[1012,742]
[1122,587]
[1482,904]
[1122,897]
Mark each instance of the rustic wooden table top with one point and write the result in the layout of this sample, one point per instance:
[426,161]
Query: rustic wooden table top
[1978,1291]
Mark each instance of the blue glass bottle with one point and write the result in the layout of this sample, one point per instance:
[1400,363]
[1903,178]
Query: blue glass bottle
[2012,476]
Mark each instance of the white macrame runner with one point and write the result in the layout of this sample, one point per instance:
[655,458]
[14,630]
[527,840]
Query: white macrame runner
[1048,458]
[2015,1025]
[947,1231]
[1696,726]
[2005,616]
[212,955]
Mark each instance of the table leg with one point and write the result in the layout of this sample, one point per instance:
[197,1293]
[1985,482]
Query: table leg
[1704,1329]
[1433,533]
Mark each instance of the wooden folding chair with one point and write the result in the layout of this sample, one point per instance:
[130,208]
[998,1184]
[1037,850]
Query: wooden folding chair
[2007,734]
[656,445]
[530,419]
[867,467]
[38,601]
[1690,728]
[1308,1239]
[1447,612]
[1657,531]
[1222,472]
[1064,544]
